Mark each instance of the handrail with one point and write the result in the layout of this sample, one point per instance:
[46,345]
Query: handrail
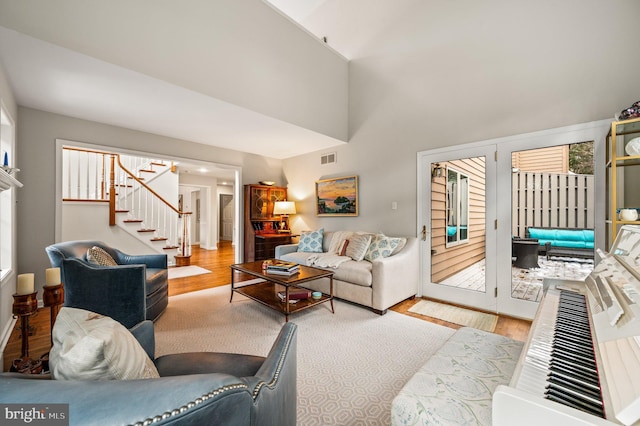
[146,186]
[147,206]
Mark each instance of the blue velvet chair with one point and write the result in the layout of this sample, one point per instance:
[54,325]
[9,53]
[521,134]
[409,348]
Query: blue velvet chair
[198,388]
[135,290]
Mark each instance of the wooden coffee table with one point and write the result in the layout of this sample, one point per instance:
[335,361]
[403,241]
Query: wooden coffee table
[266,292]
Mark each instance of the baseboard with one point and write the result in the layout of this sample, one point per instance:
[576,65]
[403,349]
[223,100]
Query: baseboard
[4,338]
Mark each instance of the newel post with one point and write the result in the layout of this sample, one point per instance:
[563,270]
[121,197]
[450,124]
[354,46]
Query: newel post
[112,192]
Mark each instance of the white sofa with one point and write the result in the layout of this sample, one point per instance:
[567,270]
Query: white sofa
[377,284]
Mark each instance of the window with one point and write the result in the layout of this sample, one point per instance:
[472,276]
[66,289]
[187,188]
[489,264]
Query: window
[457,207]
[7,210]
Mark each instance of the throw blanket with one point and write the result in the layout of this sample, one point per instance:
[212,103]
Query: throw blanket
[331,259]
[326,260]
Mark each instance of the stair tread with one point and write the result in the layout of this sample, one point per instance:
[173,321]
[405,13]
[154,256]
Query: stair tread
[132,221]
[146,230]
[122,211]
[159,239]
[169,247]
[147,171]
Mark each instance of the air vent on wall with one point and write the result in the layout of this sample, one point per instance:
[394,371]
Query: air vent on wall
[328,158]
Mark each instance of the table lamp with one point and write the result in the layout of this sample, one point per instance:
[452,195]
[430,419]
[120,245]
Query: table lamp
[284,209]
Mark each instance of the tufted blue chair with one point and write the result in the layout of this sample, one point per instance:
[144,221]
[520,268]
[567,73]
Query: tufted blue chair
[197,388]
[135,290]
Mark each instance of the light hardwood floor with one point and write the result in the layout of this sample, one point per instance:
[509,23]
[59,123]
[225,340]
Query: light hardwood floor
[218,262]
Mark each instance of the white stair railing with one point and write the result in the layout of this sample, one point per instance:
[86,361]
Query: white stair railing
[92,175]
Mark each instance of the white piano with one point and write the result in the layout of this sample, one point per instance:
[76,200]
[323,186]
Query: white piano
[581,363]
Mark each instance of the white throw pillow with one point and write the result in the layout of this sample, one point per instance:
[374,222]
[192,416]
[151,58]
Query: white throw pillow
[90,346]
[358,245]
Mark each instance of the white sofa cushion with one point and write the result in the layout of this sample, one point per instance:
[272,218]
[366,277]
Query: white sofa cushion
[355,272]
[359,273]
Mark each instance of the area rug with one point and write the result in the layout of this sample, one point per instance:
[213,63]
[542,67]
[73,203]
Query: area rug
[455,315]
[351,364]
[186,271]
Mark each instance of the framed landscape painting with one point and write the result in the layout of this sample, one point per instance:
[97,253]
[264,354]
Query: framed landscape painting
[337,197]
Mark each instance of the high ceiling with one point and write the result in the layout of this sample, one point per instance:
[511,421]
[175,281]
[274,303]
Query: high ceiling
[48,77]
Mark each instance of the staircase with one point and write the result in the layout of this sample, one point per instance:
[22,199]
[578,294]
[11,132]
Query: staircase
[137,191]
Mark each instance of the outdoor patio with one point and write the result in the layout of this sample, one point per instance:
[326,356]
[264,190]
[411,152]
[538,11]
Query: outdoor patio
[525,283]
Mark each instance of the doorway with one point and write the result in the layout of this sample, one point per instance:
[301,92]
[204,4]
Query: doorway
[460,232]
[438,199]
[226,217]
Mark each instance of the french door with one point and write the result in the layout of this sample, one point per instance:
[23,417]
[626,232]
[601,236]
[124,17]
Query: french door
[458,216]
[465,204]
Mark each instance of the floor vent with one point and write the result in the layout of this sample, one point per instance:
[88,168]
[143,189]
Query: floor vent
[328,158]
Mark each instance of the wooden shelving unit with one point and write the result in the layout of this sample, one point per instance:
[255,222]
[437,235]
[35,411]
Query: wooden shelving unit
[260,225]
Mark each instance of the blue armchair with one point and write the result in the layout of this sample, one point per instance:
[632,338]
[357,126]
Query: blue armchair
[135,290]
[200,388]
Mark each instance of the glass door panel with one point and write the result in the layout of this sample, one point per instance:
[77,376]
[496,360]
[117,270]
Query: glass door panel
[459,192]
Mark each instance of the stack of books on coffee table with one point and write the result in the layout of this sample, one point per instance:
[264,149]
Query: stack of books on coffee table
[280,267]
[295,295]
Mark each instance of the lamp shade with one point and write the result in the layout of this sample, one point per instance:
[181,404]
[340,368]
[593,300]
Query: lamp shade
[284,207]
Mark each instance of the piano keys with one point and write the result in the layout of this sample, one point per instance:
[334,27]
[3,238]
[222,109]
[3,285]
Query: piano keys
[581,362]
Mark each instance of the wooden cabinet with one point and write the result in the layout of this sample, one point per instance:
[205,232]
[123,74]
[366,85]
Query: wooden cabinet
[265,245]
[260,225]
[623,171]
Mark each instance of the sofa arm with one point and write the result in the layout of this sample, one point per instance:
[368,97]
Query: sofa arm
[197,399]
[397,277]
[115,291]
[145,335]
[158,261]
[285,249]
[274,387]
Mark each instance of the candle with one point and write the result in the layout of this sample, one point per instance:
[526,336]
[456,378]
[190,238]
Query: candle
[53,276]
[25,284]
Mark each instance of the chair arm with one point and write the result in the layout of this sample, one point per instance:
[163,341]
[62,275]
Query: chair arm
[145,335]
[283,249]
[158,261]
[206,398]
[397,277]
[274,387]
[115,291]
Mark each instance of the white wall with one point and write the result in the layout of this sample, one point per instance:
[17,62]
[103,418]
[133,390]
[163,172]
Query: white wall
[447,73]
[37,133]
[83,221]
[239,51]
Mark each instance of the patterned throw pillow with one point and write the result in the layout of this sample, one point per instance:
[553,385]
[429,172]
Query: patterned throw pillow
[98,256]
[342,249]
[311,241]
[358,245]
[381,246]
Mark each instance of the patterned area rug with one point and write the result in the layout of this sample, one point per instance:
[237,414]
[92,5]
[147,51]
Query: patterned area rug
[186,271]
[453,314]
[351,364]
